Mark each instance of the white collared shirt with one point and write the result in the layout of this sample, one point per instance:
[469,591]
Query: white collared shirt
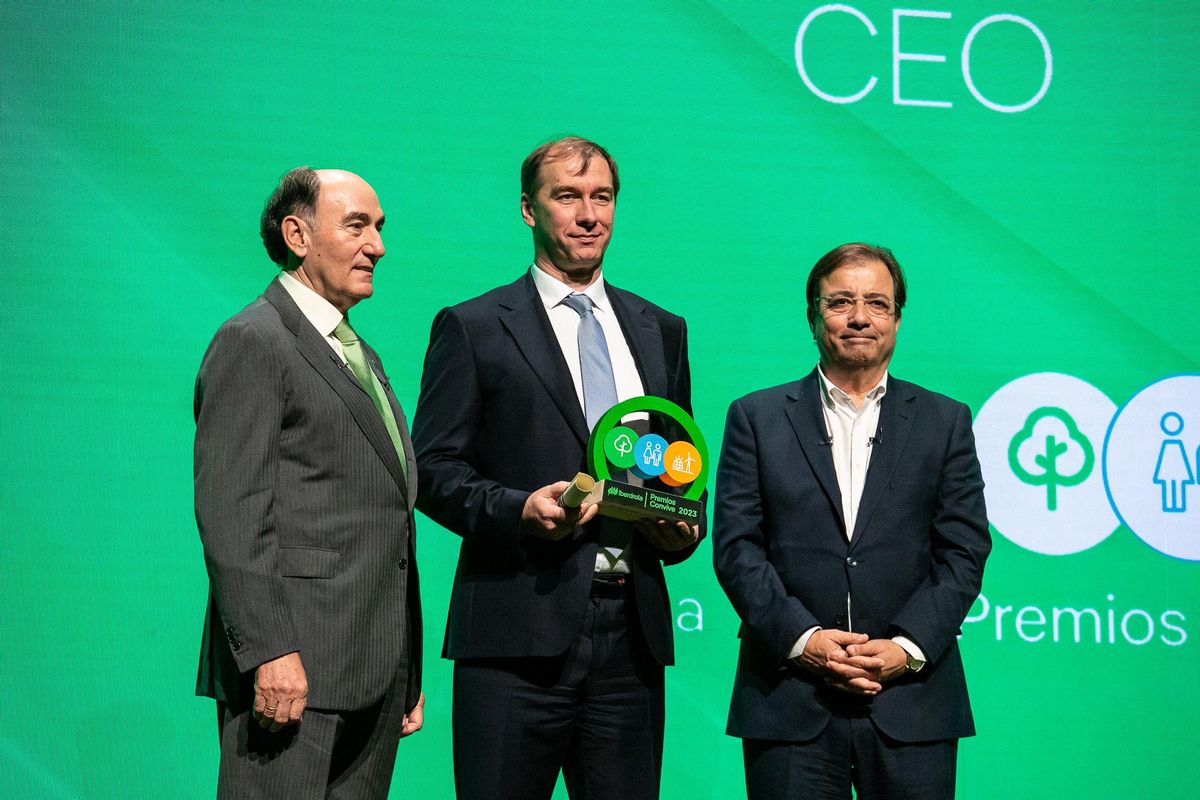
[565,322]
[852,431]
[323,315]
[852,434]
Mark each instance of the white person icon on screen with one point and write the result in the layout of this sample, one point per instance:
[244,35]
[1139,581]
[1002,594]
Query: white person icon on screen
[1173,472]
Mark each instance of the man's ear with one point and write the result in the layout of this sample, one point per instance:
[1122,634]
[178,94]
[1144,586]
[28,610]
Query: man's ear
[295,235]
[527,210]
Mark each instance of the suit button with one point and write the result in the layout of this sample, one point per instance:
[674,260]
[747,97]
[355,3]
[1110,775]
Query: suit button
[403,564]
[850,560]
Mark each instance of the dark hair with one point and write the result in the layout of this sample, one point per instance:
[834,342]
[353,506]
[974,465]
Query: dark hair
[296,194]
[564,148]
[853,253]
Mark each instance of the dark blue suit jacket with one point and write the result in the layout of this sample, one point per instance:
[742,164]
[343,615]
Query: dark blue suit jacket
[914,564]
[498,417]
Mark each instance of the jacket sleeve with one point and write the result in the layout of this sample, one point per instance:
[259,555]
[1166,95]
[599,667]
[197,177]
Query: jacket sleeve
[960,543]
[741,545]
[239,408]
[451,491]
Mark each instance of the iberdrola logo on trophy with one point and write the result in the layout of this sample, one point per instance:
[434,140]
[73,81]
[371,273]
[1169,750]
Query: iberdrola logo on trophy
[680,464]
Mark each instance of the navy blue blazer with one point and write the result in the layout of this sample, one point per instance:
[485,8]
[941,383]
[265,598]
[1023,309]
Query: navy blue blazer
[914,564]
[498,417]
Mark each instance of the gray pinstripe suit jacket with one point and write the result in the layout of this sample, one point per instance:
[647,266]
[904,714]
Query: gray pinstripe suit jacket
[304,513]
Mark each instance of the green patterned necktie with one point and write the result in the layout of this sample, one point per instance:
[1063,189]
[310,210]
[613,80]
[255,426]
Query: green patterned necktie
[357,361]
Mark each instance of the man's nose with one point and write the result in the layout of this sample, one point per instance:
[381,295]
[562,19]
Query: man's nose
[374,248]
[586,215]
[858,315]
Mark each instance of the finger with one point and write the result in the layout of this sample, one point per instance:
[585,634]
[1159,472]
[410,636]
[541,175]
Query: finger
[282,711]
[846,638]
[267,717]
[588,513]
[296,712]
[412,723]
[868,648]
[865,662]
[856,687]
[276,710]
[864,686]
[844,672]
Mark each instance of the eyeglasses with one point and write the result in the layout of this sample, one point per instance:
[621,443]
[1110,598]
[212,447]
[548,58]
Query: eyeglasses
[842,304]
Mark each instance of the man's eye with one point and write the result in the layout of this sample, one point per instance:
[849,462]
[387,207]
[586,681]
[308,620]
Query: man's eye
[839,303]
[878,305]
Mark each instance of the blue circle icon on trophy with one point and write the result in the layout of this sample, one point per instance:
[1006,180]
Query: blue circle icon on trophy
[649,456]
[1152,465]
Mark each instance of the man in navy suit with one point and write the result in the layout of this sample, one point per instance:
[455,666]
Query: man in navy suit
[560,625]
[850,535]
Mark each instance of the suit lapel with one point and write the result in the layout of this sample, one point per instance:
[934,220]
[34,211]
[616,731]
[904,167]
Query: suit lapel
[896,417]
[320,356]
[804,412]
[644,338]
[401,420]
[524,317]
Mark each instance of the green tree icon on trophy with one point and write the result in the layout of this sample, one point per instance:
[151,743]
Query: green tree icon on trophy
[1048,454]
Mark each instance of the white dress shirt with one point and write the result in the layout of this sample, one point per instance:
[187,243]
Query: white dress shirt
[852,432]
[565,322]
[323,315]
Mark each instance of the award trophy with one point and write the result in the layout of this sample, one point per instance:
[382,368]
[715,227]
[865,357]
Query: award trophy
[680,464]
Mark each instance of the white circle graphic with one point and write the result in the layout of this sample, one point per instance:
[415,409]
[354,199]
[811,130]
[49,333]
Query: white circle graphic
[1152,465]
[1039,440]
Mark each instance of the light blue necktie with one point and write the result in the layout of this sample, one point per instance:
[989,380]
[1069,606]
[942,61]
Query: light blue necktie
[599,386]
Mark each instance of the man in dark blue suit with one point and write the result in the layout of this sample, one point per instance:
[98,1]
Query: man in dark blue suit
[560,625]
[850,534]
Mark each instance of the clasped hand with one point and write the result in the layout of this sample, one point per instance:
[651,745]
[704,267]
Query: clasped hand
[851,662]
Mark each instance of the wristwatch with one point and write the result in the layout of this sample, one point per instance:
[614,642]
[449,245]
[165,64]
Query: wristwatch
[912,663]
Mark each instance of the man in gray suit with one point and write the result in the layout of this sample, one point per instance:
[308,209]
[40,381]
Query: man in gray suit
[303,471]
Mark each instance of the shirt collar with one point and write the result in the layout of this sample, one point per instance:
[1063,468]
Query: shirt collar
[323,315]
[553,291]
[831,395]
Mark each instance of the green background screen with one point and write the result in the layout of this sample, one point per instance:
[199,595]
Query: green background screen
[1049,237]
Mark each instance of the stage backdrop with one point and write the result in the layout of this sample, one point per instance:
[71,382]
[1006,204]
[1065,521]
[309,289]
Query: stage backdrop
[1033,165]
